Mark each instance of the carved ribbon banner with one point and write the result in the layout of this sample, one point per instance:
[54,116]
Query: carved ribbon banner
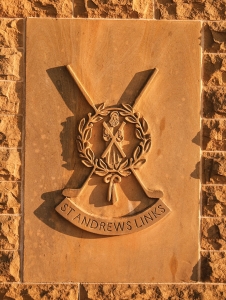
[112,226]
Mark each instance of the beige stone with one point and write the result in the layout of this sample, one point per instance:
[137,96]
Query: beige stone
[10,266]
[10,131]
[39,291]
[214,102]
[9,197]
[11,33]
[190,9]
[215,37]
[214,69]
[213,266]
[214,168]
[214,135]
[11,96]
[11,64]
[36,8]
[214,201]
[10,164]
[213,234]
[9,232]
[106,69]
[153,292]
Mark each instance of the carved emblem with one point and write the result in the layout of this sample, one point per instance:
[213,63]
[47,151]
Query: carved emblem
[113,163]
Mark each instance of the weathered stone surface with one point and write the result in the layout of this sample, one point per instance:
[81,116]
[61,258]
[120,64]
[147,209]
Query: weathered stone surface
[52,159]
[9,266]
[9,197]
[11,33]
[39,291]
[10,131]
[213,234]
[10,163]
[214,102]
[190,9]
[214,135]
[213,201]
[9,232]
[152,292]
[11,95]
[11,64]
[214,168]
[214,69]
[36,8]
[215,37]
[213,266]
[126,9]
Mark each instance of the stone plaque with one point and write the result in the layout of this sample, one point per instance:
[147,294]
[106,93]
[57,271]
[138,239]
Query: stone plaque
[112,151]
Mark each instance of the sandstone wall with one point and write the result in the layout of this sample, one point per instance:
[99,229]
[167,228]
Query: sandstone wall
[212,264]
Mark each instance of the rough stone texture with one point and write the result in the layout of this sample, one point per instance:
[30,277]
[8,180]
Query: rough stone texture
[213,234]
[9,232]
[214,168]
[214,201]
[214,102]
[214,69]
[215,37]
[213,266]
[152,292]
[11,95]
[9,197]
[11,64]
[39,291]
[113,9]
[10,131]
[10,163]
[190,9]
[36,8]
[214,135]
[9,266]
[11,33]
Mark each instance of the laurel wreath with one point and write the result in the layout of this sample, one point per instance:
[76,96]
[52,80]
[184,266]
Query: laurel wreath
[100,166]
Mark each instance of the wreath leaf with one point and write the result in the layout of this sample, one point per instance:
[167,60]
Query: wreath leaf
[124,164]
[138,134]
[87,134]
[90,154]
[127,107]
[124,173]
[101,173]
[87,163]
[102,164]
[97,119]
[79,145]
[137,153]
[139,163]
[81,125]
[131,119]
[144,124]
[101,107]
[147,145]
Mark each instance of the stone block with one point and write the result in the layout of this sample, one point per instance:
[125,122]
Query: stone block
[214,102]
[214,135]
[11,64]
[36,8]
[214,69]
[11,33]
[190,9]
[10,131]
[9,232]
[126,9]
[11,96]
[9,197]
[214,168]
[213,266]
[213,234]
[115,77]
[24,291]
[215,37]
[214,201]
[9,266]
[152,292]
[10,164]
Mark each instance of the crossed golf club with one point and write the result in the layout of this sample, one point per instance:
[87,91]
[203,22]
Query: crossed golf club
[72,193]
